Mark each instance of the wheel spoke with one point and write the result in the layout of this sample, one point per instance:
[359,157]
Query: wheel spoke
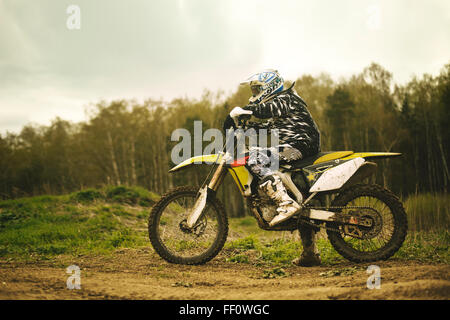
[383,213]
[379,240]
[187,243]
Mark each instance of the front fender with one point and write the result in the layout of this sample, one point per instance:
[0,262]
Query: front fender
[208,159]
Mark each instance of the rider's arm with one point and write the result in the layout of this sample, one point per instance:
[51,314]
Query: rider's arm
[278,107]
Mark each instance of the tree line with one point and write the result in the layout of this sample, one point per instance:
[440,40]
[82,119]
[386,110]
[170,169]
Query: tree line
[124,142]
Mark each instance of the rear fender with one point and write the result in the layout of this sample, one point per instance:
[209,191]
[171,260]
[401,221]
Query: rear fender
[366,170]
[377,155]
[335,177]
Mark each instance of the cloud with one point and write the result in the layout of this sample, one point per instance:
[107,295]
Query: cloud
[165,49]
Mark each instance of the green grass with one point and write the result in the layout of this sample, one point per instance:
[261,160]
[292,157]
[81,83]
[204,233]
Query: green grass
[119,194]
[261,247]
[258,250]
[95,221]
[274,273]
[428,212]
[426,247]
[89,221]
[428,238]
[238,258]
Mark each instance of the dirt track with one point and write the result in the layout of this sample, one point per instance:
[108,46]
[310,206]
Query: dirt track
[140,274]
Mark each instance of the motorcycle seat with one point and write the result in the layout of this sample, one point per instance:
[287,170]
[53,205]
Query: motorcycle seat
[317,158]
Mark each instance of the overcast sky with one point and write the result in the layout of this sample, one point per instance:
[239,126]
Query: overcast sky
[166,49]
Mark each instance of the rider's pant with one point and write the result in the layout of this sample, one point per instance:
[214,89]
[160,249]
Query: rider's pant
[265,162]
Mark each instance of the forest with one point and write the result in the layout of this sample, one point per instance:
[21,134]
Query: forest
[125,142]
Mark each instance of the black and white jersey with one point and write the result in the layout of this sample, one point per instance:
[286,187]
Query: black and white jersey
[287,112]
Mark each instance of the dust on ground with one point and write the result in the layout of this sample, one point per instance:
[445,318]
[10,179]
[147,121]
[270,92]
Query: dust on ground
[141,274]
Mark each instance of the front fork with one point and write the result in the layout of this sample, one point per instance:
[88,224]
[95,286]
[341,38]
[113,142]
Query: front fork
[209,189]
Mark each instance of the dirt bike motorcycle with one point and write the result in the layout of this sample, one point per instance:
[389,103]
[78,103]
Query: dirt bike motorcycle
[363,222]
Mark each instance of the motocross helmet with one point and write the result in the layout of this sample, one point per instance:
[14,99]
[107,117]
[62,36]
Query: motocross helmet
[263,84]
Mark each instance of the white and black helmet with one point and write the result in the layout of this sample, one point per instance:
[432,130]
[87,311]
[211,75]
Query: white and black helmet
[263,84]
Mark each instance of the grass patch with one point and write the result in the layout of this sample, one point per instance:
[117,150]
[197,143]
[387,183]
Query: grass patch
[67,235]
[260,249]
[99,221]
[118,194]
[87,195]
[280,251]
[428,212]
[247,221]
[133,196]
[340,272]
[84,222]
[249,242]
[238,258]
[431,247]
[275,273]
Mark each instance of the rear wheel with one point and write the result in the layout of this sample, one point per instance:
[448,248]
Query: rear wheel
[174,241]
[387,232]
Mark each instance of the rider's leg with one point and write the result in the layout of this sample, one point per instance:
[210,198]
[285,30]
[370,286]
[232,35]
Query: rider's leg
[310,255]
[286,206]
[261,163]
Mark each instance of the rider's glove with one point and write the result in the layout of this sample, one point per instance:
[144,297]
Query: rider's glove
[237,112]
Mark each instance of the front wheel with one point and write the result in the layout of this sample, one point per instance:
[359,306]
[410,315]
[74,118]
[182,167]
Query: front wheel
[174,241]
[389,224]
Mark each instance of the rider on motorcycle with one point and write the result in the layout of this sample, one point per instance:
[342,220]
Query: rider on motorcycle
[285,111]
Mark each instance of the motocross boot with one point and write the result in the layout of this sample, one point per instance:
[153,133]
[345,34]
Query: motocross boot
[310,256]
[286,206]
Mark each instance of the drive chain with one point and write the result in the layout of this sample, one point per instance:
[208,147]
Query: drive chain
[303,221]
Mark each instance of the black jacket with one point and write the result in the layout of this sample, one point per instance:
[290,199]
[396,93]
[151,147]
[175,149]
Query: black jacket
[287,112]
